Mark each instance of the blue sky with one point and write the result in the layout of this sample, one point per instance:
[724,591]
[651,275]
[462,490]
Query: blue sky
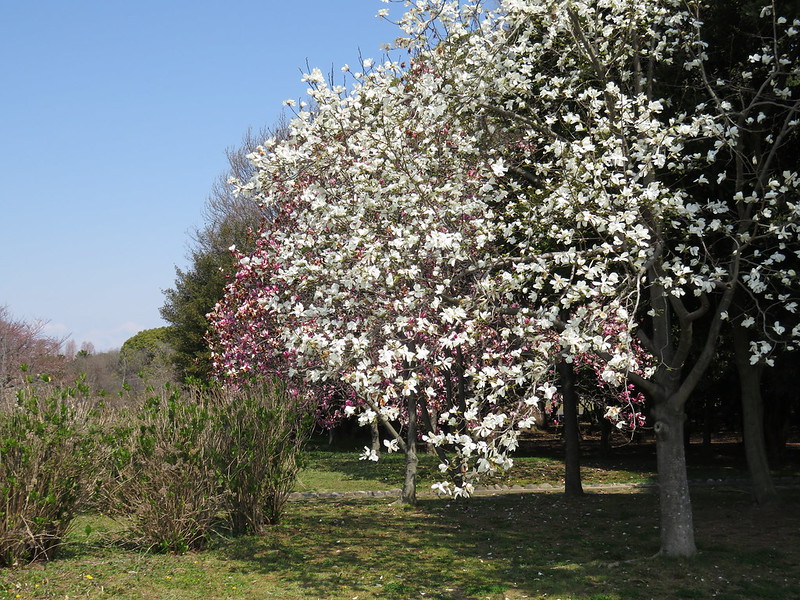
[114,120]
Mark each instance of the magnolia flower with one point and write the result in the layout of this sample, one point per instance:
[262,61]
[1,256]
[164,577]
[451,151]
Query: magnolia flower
[499,167]
[367,417]
[369,454]
[441,487]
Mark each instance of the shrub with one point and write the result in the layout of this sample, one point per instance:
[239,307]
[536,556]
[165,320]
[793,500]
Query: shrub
[48,463]
[260,430]
[172,468]
[166,481]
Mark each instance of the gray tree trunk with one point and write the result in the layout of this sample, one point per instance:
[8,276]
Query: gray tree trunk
[671,342]
[431,416]
[409,493]
[755,446]
[376,436]
[605,435]
[677,525]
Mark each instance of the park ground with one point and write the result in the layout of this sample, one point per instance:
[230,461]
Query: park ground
[510,543]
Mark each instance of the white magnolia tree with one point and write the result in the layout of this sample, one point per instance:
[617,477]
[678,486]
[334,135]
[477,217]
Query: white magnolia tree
[550,181]
[687,204]
[371,274]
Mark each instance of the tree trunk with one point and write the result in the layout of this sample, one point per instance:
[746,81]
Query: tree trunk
[755,447]
[677,527]
[432,417]
[409,493]
[605,435]
[376,436]
[572,449]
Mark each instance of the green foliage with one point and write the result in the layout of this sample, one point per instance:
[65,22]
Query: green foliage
[165,481]
[190,458]
[260,431]
[48,461]
[170,469]
[149,341]
[186,305]
[147,357]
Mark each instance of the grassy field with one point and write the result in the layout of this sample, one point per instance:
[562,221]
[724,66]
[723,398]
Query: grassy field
[342,471]
[541,462]
[516,546]
[538,546]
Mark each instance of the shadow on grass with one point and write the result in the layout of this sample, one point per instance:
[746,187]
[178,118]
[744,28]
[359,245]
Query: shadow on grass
[524,546]
[91,536]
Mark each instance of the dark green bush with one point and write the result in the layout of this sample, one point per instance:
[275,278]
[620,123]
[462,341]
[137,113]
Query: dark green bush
[171,469]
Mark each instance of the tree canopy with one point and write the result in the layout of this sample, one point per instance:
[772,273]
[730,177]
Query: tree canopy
[551,181]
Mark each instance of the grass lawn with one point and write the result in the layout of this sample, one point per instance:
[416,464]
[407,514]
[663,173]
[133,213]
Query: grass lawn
[538,545]
[542,461]
[517,546]
[342,471]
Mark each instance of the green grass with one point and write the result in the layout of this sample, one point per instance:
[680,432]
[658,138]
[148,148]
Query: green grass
[331,471]
[339,470]
[539,546]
